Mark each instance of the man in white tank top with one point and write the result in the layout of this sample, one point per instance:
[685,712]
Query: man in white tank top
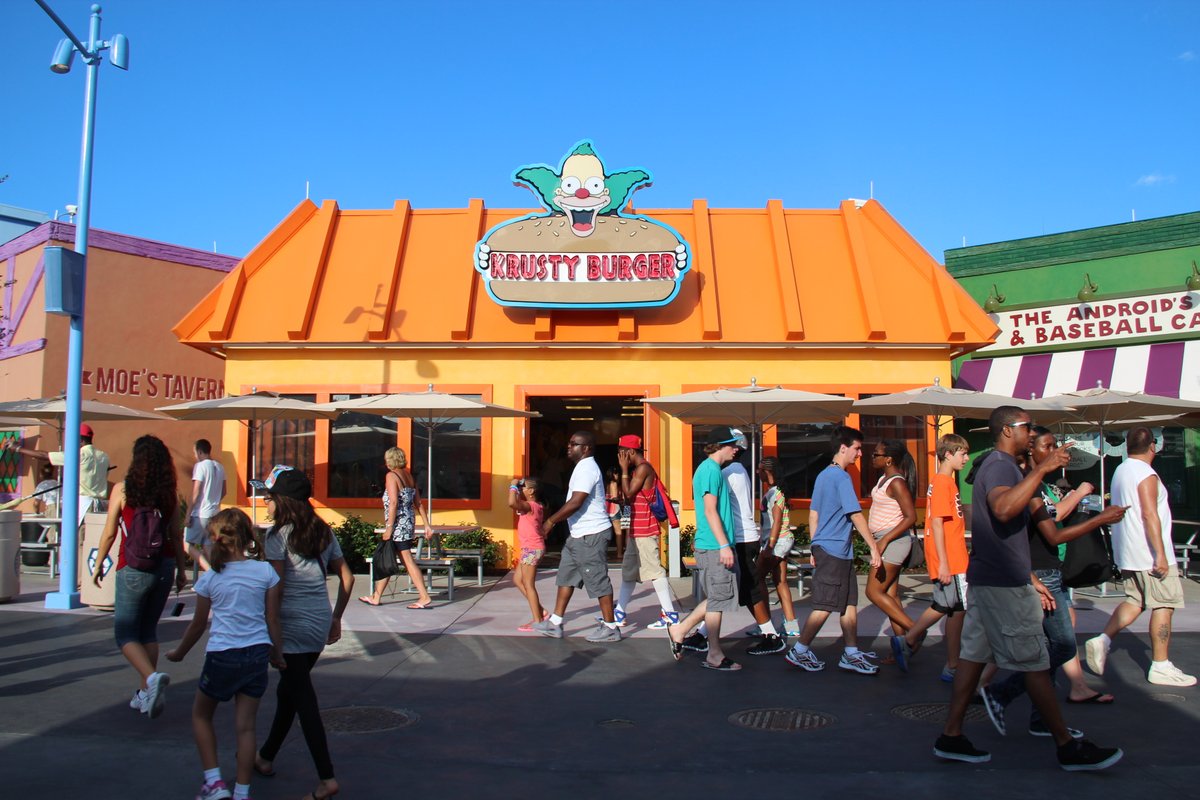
[1145,554]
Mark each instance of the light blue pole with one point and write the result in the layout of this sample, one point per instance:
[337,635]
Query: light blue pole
[67,595]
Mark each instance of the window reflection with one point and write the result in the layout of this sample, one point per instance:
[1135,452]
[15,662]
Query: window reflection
[284,441]
[457,455]
[357,443]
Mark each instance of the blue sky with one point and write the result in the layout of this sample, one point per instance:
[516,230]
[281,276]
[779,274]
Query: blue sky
[986,120]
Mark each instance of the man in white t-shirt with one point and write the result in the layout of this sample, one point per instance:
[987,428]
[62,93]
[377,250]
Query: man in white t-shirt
[208,487]
[585,553]
[1145,554]
[752,587]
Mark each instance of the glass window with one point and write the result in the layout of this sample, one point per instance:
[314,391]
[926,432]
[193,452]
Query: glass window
[284,441]
[910,430]
[699,436]
[803,451]
[357,443]
[457,454]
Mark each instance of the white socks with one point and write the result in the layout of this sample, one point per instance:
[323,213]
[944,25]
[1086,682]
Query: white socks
[212,775]
[626,594]
[662,588]
[555,619]
[768,628]
[241,791]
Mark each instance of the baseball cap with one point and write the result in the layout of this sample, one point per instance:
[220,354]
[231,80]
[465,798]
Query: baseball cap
[288,482]
[723,434]
[86,430]
[631,441]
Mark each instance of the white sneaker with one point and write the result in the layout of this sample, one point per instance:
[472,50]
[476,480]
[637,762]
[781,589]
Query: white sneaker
[665,620]
[806,660]
[1097,654]
[1167,674]
[156,693]
[138,701]
[857,662]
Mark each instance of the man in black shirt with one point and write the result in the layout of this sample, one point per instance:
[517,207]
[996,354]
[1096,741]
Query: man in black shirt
[1003,621]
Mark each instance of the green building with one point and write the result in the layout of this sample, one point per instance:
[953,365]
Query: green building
[1116,306]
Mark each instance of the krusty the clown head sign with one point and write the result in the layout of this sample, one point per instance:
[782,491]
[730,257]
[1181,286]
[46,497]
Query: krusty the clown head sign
[582,252]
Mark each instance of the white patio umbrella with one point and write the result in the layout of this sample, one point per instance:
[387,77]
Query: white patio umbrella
[1103,408]
[253,410]
[53,410]
[944,401]
[752,407]
[430,409]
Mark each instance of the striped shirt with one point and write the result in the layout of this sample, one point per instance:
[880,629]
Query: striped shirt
[885,512]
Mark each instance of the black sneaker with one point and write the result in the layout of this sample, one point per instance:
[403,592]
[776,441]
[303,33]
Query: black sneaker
[769,645]
[959,748]
[1080,755]
[696,643]
[1038,728]
[995,711]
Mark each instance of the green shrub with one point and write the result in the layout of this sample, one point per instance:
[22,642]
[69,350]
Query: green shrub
[478,538]
[687,541]
[357,539]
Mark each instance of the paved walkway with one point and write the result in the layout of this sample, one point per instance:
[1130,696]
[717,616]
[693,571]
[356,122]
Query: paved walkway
[504,714]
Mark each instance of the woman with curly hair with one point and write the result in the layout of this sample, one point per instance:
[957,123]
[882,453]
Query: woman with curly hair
[148,491]
[303,550]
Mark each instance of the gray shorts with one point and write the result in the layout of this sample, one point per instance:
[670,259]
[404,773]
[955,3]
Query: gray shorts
[897,551]
[196,531]
[952,597]
[719,582]
[584,564]
[834,584]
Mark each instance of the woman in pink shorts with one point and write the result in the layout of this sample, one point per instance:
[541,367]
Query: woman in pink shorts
[523,497]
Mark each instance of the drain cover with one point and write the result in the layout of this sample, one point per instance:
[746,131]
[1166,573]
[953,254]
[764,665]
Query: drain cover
[935,712]
[615,724]
[781,719]
[367,719]
[1169,698]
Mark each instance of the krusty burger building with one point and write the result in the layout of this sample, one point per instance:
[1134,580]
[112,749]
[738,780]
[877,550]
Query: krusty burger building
[578,310]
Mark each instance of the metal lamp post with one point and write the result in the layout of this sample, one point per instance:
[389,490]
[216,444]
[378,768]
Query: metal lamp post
[67,595]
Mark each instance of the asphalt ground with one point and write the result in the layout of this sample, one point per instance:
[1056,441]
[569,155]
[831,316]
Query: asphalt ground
[495,713]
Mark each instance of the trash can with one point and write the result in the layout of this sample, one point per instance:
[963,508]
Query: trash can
[10,555]
[31,533]
[104,596]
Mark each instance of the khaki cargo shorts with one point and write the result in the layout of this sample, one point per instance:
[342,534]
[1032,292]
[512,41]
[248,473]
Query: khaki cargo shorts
[1148,592]
[1004,624]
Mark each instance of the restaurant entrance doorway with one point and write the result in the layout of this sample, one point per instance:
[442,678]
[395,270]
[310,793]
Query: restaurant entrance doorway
[607,417]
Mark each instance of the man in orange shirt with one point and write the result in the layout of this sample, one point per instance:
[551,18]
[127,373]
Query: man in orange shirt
[945,557]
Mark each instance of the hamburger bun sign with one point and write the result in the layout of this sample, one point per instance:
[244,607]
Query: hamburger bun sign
[582,251]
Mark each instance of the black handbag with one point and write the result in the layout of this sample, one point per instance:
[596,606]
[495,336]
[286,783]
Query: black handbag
[916,555]
[383,562]
[1089,560]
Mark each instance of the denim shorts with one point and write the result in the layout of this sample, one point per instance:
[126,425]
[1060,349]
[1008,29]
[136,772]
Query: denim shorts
[141,597]
[240,670]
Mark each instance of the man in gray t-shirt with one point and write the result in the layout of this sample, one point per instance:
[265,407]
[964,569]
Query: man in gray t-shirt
[1003,621]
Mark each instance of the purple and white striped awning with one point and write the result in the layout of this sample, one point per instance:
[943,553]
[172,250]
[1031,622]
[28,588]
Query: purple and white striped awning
[1170,369]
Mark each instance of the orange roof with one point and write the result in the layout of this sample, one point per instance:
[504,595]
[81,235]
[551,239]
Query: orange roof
[404,276]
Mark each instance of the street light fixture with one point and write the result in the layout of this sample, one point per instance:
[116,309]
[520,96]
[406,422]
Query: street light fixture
[67,595]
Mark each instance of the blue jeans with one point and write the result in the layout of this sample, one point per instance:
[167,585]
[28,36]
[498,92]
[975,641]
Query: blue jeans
[239,670]
[141,597]
[1060,640]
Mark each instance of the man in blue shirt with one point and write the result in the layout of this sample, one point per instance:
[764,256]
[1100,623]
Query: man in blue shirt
[835,514]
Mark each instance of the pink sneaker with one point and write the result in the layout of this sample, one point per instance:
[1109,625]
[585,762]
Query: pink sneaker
[217,790]
[526,628]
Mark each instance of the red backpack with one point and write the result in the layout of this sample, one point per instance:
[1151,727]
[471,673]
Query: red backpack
[145,536]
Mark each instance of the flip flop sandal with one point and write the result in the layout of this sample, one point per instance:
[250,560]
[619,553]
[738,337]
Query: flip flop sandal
[725,666]
[1096,699]
[365,601]
[419,607]
[263,772]
[676,648]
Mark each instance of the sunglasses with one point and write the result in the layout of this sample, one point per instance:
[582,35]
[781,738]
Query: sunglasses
[1024,424]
